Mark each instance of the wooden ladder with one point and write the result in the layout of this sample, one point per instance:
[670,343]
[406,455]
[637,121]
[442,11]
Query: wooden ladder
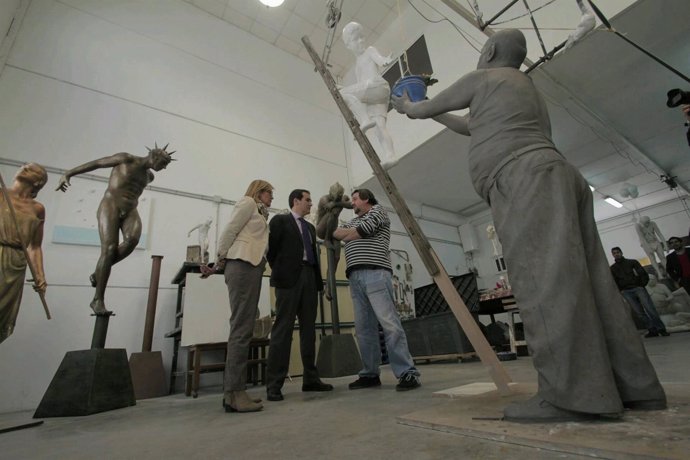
[421,243]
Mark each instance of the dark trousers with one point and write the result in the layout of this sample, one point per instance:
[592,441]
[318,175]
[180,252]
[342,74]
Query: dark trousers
[299,302]
[639,300]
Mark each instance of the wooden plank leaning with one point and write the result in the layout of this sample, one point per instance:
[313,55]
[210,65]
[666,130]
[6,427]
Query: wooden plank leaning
[421,243]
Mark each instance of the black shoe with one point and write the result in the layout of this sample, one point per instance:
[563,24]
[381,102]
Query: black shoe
[407,382]
[274,395]
[652,334]
[665,333]
[317,386]
[365,382]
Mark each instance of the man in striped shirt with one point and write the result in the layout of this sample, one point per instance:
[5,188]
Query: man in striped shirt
[367,240]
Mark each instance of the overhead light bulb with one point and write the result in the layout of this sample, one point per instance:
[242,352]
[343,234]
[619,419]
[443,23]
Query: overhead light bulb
[591,188]
[613,202]
[272,3]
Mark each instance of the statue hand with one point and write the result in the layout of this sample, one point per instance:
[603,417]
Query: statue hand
[63,184]
[39,286]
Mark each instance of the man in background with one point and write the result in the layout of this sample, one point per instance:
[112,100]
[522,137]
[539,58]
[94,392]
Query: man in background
[631,279]
[678,263]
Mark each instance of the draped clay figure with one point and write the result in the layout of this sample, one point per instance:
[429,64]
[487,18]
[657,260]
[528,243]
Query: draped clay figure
[368,97]
[653,243]
[27,230]
[671,308]
[329,209]
[117,212]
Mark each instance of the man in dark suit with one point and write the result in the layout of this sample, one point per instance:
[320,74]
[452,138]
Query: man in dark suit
[678,263]
[296,277]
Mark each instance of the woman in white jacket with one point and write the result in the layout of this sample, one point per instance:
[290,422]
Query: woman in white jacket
[242,257]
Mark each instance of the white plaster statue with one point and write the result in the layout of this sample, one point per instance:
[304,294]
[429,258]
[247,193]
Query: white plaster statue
[368,98]
[491,234]
[203,229]
[653,243]
[673,307]
[587,23]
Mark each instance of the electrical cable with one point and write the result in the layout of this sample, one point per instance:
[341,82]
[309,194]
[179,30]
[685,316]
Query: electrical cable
[461,32]
[682,198]
[525,14]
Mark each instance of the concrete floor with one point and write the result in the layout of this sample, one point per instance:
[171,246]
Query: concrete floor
[343,424]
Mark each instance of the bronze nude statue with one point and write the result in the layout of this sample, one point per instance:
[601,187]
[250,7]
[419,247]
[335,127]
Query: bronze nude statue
[329,209]
[117,211]
[26,231]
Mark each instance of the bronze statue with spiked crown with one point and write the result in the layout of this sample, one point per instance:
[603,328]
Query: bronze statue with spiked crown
[117,212]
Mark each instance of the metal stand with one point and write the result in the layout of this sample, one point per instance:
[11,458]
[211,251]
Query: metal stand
[330,273]
[148,375]
[421,243]
[338,355]
[100,329]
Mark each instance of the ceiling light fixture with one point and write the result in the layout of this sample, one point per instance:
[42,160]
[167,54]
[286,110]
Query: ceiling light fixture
[272,3]
[591,188]
[613,202]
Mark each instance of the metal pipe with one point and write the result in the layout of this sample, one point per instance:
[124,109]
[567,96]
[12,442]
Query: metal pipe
[484,25]
[335,317]
[536,29]
[100,330]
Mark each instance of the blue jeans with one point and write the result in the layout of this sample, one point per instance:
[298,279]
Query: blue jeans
[639,300]
[374,304]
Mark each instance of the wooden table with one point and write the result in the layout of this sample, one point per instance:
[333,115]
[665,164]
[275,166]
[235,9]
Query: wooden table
[501,301]
[256,364]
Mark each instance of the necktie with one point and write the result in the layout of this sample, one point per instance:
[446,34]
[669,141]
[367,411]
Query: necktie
[307,242]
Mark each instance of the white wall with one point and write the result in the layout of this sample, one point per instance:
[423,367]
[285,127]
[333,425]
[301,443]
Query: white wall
[671,217]
[7,11]
[89,78]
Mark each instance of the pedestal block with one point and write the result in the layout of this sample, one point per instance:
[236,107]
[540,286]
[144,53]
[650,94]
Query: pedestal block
[148,374]
[338,356]
[88,382]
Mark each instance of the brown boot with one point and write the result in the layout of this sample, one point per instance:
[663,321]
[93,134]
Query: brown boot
[241,402]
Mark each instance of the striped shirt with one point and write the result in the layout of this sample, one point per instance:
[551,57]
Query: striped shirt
[372,249]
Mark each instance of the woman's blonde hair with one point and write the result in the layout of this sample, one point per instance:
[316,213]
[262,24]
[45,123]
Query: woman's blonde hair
[256,187]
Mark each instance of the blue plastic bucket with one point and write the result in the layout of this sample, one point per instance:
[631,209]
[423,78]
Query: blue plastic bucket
[413,84]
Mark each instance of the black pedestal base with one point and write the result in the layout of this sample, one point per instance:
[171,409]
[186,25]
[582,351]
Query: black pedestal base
[88,382]
[338,356]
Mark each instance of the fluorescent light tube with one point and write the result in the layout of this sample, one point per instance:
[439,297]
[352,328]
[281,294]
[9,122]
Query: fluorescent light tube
[613,202]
